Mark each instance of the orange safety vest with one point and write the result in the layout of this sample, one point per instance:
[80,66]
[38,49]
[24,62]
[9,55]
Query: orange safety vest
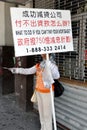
[39,81]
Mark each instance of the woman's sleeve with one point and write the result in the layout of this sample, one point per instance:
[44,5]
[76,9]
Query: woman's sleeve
[54,71]
[25,71]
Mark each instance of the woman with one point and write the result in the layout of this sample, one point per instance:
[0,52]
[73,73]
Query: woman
[46,71]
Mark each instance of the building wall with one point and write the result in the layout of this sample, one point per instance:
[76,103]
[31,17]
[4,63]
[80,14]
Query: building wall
[6,36]
[8,26]
[2,23]
[5,24]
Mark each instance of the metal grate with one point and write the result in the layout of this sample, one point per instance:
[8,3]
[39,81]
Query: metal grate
[44,4]
[72,65]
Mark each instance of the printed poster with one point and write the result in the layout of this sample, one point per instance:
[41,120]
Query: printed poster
[38,31]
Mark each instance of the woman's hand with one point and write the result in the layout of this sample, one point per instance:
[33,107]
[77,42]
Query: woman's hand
[13,70]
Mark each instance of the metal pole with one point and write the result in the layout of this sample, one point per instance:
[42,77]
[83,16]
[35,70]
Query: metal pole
[52,102]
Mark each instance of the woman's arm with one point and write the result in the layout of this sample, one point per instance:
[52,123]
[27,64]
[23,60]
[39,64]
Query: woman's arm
[24,71]
[54,70]
[50,73]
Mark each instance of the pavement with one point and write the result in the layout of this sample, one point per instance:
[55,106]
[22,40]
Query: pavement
[13,118]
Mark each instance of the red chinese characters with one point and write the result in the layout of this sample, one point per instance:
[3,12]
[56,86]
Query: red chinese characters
[43,40]
[42,23]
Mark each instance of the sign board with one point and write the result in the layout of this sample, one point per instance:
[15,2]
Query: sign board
[38,31]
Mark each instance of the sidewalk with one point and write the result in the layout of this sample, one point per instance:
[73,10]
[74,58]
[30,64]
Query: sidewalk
[13,118]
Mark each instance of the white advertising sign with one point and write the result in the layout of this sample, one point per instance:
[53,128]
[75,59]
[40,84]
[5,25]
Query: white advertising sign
[38,31]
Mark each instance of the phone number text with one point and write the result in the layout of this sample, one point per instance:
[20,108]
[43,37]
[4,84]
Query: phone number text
[45,49]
